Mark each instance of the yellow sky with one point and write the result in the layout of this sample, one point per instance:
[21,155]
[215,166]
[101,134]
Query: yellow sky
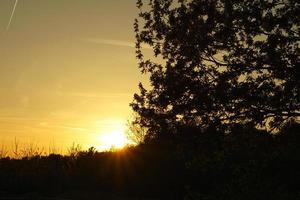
[67,70]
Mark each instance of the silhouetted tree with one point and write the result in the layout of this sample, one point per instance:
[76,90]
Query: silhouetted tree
[217,63]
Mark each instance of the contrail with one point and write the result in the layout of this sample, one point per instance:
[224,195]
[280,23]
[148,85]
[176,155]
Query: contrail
[12,15]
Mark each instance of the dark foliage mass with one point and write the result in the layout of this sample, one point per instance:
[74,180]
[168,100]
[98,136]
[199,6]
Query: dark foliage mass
[247,164]
[219,118]
[220,62]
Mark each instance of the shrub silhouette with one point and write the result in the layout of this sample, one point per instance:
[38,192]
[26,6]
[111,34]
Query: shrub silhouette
[247,164]
[230,67]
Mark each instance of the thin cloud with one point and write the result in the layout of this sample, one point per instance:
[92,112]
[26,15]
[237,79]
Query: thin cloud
[102,95]
[114,42]
[12,118]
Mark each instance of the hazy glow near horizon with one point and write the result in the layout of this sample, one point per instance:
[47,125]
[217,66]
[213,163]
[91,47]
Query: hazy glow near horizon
[114,139]
[57,85]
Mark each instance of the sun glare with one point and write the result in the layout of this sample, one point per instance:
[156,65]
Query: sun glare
[115,139]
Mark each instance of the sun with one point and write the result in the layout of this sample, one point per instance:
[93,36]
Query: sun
[116,139]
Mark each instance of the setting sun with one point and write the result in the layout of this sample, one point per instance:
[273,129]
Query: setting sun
[116,139]
[149,99]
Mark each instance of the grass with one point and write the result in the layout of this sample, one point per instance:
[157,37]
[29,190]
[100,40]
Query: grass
[246,164]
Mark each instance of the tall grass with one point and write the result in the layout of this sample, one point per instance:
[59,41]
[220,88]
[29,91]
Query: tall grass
[17,149]
[3,151]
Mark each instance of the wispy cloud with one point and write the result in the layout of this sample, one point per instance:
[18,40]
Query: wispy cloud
[114,42]
[62,126]
[102,95]
[21,123]
[13,118]
[110,42]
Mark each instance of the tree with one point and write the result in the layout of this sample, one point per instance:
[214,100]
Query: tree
[220,63]
[136,133]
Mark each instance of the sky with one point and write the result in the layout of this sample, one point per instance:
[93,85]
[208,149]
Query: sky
[67,70]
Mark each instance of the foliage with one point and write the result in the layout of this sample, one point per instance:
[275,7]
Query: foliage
[219,63]
[135,133]
[225,66]
[247,164]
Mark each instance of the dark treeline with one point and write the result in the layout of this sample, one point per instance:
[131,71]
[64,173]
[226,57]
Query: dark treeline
[247,164]
[218,120]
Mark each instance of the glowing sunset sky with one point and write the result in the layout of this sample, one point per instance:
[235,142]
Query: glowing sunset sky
[67,70]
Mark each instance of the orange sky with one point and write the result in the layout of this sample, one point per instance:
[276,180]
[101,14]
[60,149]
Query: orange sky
[67,70]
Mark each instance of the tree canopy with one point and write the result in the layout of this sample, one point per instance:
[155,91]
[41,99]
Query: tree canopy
[220,63]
